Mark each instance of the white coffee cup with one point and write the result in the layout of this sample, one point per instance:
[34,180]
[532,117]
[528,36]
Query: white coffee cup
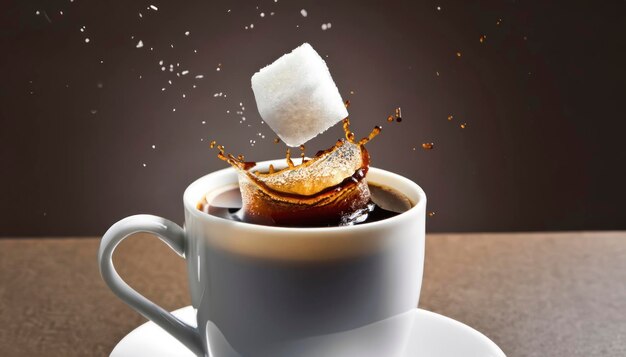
[258,289]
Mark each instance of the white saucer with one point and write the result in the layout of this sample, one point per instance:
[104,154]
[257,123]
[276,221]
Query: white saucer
[432,335]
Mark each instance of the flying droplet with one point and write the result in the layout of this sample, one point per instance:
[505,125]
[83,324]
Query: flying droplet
[398,114]
[463,125]
[428,146]
[431,213]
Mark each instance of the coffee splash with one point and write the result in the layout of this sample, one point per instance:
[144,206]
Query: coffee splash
[326,189]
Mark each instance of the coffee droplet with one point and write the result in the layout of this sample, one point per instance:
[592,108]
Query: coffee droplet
[431,213]
[276,140]
[398,114]
[347,103]
[450,117]
[240,157]
[463,125]
[347,131]
[428,146]
[390,118]
[288,158]
[212,144]
[302,151]
[482,38]
[377,129]
[458,54]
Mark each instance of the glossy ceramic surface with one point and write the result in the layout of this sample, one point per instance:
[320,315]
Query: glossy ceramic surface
[430,335]
[261,288]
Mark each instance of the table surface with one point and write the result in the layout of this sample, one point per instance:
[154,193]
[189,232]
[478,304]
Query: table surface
[534,294]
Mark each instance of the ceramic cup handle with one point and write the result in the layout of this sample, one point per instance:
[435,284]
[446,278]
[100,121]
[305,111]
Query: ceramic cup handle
[174,236]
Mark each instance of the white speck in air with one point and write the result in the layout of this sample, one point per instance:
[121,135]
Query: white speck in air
[185,72]
[199,76]
[154,7]
[186,33]
[87,40]
[154,146]
[139,44]
[262,14]
[303,13]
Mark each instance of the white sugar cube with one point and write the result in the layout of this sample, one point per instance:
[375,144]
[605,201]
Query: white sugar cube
[297,97]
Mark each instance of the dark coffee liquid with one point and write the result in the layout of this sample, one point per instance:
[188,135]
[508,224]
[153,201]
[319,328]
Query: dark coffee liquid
[385,203]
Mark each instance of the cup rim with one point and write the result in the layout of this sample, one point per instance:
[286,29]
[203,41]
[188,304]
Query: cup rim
[190,203]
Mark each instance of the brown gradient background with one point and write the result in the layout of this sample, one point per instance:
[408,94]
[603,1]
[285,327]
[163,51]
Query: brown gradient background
[543,99]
